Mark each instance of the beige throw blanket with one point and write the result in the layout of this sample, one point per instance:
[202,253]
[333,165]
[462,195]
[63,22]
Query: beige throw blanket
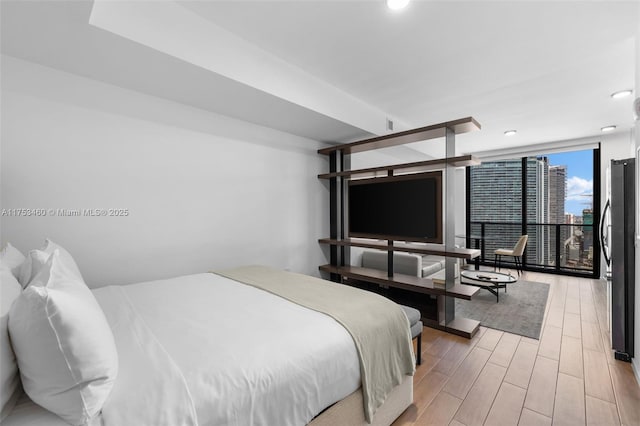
[379,327]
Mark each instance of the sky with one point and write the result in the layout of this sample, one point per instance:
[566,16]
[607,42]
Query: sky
[579,178]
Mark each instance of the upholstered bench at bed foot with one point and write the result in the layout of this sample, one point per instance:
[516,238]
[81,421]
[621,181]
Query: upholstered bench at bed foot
[416,329]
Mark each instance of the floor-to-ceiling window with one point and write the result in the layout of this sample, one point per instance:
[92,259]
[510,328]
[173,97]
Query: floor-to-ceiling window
[548,197]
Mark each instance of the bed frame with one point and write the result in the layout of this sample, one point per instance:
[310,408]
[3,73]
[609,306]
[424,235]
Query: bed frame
[348,411]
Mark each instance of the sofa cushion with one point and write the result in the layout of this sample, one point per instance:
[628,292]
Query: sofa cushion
[403,263]
[429,259]
[431,269]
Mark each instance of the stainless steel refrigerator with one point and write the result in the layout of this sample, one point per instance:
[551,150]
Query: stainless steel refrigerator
[622,254]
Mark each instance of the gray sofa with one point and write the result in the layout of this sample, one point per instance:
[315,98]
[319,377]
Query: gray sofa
[404,263]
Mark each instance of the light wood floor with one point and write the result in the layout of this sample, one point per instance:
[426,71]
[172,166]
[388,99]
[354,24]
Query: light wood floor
[568,377]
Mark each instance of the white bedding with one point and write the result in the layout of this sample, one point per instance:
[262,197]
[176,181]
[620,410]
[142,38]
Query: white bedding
[229,354]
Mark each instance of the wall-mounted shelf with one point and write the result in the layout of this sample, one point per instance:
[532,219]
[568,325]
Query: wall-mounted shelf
[415,167]
[437,249]
[463,125]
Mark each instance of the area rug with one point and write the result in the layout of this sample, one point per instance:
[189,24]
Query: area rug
[520,310]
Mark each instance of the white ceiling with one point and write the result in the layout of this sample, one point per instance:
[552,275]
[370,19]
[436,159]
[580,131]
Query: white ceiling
[544,68]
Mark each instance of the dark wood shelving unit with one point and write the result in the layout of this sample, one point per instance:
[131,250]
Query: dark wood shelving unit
[462,125]
[437,249]
[435,304]
[413,291]
[406,282]
[415,167]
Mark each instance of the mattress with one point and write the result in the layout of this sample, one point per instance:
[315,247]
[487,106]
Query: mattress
[203,349]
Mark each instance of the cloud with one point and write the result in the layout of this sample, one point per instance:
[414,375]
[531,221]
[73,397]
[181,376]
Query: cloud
[579,189]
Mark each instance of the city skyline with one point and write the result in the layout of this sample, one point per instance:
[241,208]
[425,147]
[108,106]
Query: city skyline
[552,191]
[579,179]
[496,199]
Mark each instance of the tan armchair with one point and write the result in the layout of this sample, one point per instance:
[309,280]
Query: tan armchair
[516,252]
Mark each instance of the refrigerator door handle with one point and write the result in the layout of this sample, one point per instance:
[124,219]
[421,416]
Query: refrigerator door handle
[604,243]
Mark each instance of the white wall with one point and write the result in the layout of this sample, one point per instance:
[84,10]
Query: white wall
[202,190]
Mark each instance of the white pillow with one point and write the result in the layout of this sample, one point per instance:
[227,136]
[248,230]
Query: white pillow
[11,258]
[36,259]
[9,378]
[33,263]
[65,349]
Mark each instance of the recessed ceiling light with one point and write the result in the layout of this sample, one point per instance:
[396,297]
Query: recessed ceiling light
[510,132]
[397,4]
[621,93]
[608,128]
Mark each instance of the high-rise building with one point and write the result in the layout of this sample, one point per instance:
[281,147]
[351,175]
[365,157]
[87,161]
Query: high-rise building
[587,230]
[557,198]
[537,209]
[557,193]
[569,218]
[496,200]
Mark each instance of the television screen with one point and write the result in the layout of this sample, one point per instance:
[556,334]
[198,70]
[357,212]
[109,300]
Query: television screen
[405,208]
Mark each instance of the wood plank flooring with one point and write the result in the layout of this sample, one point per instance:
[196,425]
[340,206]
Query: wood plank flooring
[568,377]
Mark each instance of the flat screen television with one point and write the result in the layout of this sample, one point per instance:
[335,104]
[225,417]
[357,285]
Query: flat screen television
[403,208]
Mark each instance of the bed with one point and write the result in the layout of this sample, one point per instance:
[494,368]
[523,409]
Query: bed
[209,349]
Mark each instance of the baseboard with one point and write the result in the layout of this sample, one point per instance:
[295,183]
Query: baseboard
[635,366]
